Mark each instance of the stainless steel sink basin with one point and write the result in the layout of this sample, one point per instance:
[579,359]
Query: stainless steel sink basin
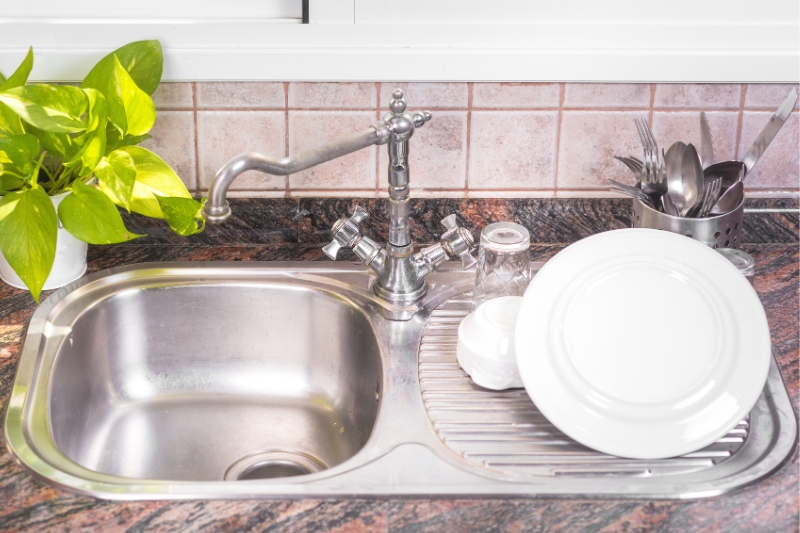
[194,381]
[241,380]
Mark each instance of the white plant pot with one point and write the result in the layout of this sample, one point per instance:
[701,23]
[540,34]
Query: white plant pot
[69,264]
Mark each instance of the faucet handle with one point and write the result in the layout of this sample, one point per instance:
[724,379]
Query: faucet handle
[458,241]
[345,232]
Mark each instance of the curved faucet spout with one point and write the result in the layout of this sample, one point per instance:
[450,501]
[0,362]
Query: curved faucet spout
[400,274]
[216,208]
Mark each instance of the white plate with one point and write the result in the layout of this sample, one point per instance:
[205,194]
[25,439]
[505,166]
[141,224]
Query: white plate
[642,343]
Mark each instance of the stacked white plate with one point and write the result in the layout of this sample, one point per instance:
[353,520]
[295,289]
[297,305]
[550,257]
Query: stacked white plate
[642,343]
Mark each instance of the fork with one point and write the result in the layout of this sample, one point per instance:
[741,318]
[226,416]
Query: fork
[632,191]
[654,172]
[710,197]
[633,164]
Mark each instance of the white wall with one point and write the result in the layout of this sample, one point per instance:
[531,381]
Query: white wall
[423,40]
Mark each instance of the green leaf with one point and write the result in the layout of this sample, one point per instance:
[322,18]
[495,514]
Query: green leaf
[130,109]
[154,177]
[28,232]
[182,215]
[19,153]
[89,215]
[115,140]
[10,123]
[143,60]
[55,108]
[116,175]
[9,183]
[59,144]
[2,78]
[93,142]
[20,76]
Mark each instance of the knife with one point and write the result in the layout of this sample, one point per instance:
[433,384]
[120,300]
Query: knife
[706,142]
[769,131]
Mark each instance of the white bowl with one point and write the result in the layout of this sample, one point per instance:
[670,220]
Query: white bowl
[486,348]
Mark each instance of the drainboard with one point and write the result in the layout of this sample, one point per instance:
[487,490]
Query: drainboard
[504,431]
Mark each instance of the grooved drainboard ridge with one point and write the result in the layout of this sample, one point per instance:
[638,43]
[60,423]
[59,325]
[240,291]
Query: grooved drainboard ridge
[505,432]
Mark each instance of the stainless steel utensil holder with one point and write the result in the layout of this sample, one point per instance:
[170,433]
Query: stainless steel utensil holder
[722,231]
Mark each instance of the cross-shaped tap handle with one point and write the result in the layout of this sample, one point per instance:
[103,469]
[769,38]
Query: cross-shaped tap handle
[345,232]
[458,241]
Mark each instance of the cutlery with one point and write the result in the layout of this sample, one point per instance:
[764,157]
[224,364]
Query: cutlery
[729,171]
[632,191]
[731,198]
[653,180]
[667,205]
[673,160]
[710,197]
[707,148]
[692,179]
[633,164]
[768,133]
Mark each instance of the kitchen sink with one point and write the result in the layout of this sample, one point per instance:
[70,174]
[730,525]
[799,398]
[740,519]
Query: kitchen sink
[201,381]
[248,380]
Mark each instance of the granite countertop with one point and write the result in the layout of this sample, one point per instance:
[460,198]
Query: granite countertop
[293,229]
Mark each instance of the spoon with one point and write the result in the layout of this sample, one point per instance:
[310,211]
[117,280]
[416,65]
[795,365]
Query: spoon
[729,200]
[692,177]
[673,160]
[729,171]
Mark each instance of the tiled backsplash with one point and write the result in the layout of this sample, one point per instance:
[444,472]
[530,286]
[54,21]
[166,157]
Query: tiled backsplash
[485,139]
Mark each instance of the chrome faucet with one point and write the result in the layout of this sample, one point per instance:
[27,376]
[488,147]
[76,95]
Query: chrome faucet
[400,273]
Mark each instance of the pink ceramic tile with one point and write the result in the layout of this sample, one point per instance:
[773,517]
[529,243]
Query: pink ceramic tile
[515,95]
[706,96]
[512,150]
[778,166]
[332,95]
[438,153]
[768,95]
[173,141]
[227,95]
[174,96]
[224,134]
[589,142]
[419,95]
[334,193]
[309,129]
[669,127]
[594,95]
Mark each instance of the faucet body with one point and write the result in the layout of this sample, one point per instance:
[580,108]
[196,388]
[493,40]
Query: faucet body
[400,273]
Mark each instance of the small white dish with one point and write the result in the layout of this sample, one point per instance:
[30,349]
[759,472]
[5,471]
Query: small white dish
[642,343]
[485,347]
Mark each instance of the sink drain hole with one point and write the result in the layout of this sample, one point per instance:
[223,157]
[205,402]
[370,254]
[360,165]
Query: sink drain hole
[269,465]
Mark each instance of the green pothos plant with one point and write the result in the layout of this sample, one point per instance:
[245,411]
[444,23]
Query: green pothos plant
[81,142]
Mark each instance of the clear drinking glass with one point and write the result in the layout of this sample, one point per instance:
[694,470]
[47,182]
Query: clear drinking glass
[503,262]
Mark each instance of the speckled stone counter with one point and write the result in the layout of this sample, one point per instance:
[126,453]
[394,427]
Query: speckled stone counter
[294,229]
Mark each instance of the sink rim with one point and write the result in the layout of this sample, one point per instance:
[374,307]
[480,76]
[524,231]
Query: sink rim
[41,456]
[442,472]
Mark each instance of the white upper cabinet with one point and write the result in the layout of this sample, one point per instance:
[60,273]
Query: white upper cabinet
[418,40]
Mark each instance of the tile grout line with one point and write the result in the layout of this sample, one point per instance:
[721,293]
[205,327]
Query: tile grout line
[562,93]
[651,110]
[286,136]
[467,141]
[509,109]
[378,86]
[196,140]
